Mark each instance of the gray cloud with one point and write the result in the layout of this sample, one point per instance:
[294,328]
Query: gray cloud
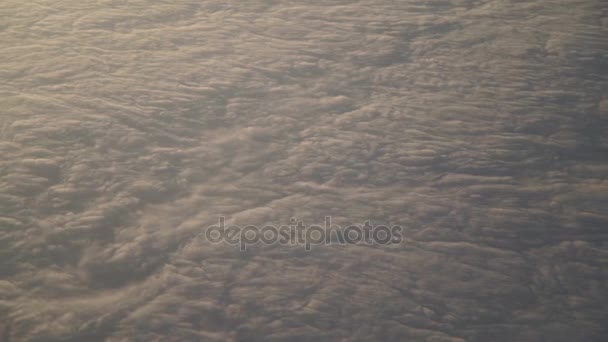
[128,128]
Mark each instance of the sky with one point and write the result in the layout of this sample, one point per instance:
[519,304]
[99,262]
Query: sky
[127,128]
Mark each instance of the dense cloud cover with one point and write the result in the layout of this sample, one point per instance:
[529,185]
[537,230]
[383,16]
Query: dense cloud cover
[128,127]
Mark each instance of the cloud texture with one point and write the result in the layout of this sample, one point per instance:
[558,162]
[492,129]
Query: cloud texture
[128,127]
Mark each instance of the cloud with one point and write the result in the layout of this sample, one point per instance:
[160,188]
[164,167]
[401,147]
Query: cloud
[127,129]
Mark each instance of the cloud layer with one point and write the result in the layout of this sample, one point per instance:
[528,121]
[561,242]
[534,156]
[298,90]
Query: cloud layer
[127,128]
